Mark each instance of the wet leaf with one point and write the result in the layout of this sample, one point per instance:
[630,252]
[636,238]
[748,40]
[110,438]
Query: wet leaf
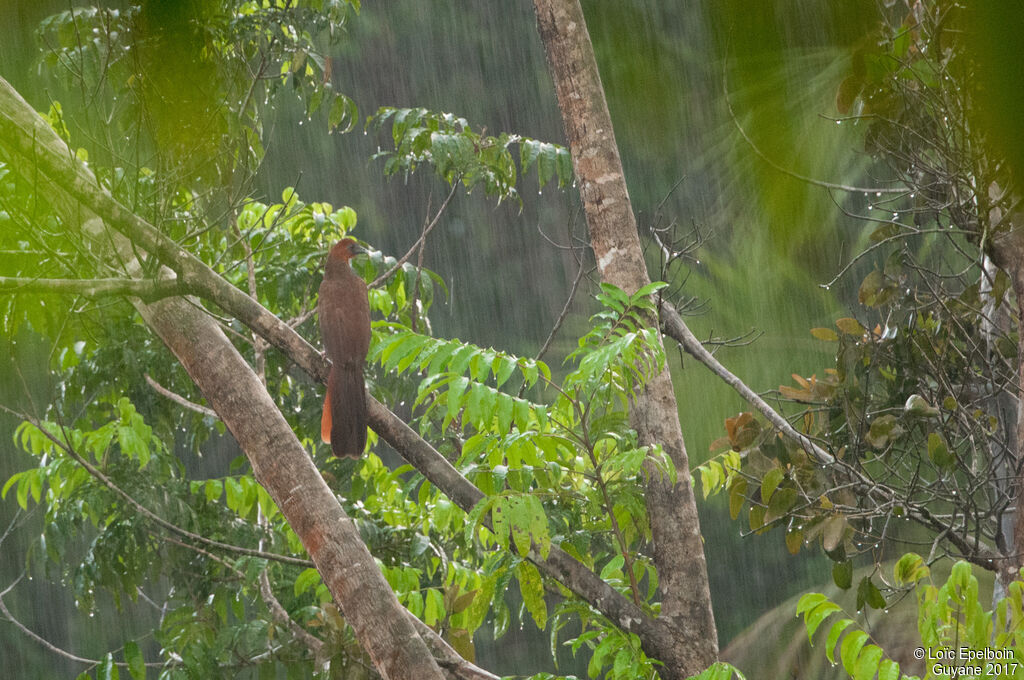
[826,334]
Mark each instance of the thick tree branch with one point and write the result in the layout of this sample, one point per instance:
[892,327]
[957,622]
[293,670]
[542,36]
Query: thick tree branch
[676,328]
[449,660]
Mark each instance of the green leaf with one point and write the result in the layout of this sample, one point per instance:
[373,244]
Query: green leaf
[883,430]
[868,594]
[888,670]
[826,334]
[850,649]
[770,482]
[538,525]
[815,617]
[737,497]
[794,541]
[235,493]
[938,451]
[547,163]
[532,589]
[781,502]
[649,289]
[213,489]
[136,663]
[842,574]
[833,637]
[500,522]
[108,669]
[10,482]
[306,580]
[850,326]
[910,569]
[809,601]
[867,663]
[433,610]
[475,516]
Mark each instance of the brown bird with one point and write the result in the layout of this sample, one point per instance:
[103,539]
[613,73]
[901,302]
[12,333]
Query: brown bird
[345,327]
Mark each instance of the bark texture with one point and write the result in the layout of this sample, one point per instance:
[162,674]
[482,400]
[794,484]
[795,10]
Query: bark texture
[678,545]
[1007,252]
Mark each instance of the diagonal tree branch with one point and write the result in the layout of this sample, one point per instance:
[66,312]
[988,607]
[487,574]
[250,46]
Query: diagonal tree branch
[970,546]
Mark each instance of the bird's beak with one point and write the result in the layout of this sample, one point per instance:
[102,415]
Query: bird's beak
[357,249]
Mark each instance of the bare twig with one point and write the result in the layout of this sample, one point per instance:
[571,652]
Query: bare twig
[180,400]
[426,231]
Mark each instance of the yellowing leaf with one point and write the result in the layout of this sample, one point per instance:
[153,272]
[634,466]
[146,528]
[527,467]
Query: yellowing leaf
[826,334]
[850,326]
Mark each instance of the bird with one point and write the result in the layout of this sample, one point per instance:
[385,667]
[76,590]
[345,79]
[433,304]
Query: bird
[344,312]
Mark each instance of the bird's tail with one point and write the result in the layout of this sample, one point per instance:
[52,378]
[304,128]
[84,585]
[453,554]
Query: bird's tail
[343,424]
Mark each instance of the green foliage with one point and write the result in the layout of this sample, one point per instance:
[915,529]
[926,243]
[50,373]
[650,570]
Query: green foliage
[565,470]
[861,659]
[950,617]
[719,671]
[561,470]
[459,154]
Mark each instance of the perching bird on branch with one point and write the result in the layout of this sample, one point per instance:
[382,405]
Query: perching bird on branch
[345,327]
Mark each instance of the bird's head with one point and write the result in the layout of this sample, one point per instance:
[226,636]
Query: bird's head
[345,249]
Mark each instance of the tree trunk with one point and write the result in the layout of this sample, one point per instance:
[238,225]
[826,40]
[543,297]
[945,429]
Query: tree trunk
[1007,252]
[279,461]
[678,545]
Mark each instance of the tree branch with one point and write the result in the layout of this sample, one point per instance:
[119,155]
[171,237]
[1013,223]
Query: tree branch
[686,609]
[146,512]
[180,400]
[147,290]
[419,242]
[449,660]
[674,326]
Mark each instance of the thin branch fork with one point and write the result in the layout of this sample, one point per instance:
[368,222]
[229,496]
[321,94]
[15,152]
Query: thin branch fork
[427,228]
[146,512]
[180,400]
[674,326]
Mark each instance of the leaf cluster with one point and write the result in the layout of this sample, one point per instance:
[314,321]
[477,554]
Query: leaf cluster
[457,153]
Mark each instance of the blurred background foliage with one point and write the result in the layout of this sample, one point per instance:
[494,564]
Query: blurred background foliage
[709,99]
